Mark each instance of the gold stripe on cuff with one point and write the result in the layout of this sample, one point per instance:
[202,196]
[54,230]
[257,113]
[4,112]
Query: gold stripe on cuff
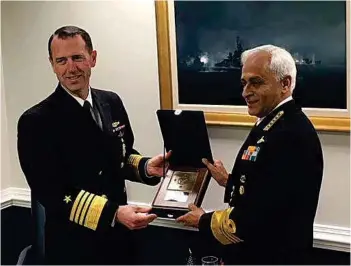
[75,204]
[84,211]
[216,227]
[94,212]
[224,228]
[229,227]
[134,160]
[80,206]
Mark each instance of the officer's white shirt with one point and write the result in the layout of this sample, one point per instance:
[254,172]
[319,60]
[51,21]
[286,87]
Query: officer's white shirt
[90,100]
[80,100]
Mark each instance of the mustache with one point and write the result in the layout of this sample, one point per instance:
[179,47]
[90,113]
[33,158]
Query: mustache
[251,98]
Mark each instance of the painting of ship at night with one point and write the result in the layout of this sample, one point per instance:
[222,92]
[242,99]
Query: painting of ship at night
[200,45]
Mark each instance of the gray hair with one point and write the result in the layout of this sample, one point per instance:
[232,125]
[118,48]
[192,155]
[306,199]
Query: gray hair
[282,63]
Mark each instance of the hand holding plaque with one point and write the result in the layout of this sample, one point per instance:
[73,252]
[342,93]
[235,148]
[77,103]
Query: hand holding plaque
[186,179]
[192,218]
[218,172]
[156,165]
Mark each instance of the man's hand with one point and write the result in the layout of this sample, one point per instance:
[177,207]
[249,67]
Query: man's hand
[157,164]
[217,171]
[192,218]
[134,217]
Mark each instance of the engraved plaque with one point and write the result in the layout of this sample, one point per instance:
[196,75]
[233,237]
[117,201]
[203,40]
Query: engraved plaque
[182,181]
[176,195]
[180,187]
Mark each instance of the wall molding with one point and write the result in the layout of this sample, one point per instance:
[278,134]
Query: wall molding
[325,236]
[14,196]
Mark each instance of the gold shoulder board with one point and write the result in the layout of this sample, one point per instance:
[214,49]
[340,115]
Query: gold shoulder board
[275,119]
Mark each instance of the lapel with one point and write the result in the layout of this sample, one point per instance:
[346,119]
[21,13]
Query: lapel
[104,109]
[68,107]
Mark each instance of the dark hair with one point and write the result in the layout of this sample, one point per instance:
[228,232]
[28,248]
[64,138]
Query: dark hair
[71,31]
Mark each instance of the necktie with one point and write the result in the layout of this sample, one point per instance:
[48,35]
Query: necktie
[91,112]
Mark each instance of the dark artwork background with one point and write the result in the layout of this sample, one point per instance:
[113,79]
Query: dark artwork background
[211,35]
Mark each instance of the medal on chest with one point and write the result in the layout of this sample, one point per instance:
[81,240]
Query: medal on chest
[123,148]
[250,154]
[123,152]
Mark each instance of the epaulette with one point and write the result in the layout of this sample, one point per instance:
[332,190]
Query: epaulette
[275,119]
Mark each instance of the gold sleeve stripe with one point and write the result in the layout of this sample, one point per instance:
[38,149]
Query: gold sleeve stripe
[88,206]
[228,227]
[75,204]
[225,234]
[216,227]
[224,231]
[80,206]
[94,212]
[224,228]
[229,237]
[84,211]
[134,160]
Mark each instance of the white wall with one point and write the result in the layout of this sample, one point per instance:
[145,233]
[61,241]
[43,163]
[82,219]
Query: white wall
[5,162]
[124,34]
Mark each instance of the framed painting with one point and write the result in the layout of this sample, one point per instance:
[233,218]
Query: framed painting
[200,43]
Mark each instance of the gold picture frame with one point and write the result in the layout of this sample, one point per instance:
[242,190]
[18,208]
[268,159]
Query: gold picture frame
[322,118]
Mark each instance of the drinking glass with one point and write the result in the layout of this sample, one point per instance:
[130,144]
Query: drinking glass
[209,260]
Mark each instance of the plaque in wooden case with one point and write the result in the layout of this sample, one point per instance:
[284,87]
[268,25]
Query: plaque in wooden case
[187,178]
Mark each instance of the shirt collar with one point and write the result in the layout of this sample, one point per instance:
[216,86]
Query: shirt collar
[259,120]
[80,100]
